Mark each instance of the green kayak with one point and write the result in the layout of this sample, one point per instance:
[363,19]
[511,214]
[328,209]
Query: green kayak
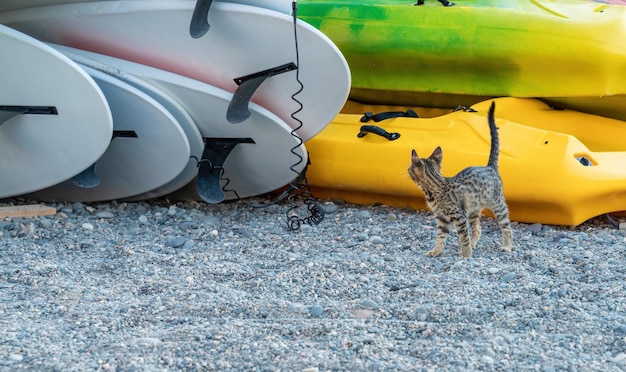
[567,51]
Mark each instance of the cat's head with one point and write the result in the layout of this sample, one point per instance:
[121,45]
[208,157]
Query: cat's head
[421,169]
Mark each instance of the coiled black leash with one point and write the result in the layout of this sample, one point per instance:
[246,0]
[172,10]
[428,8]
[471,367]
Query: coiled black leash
[299,185]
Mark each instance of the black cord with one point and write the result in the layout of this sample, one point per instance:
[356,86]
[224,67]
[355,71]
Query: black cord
[316,213]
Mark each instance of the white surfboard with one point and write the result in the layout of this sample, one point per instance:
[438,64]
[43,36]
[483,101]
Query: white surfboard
[54,120]
[186,122]
[264,155]
[283,6]
[147,150]
[246,45]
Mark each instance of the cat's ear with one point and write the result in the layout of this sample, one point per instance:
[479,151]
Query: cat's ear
[437,155]
[414,158]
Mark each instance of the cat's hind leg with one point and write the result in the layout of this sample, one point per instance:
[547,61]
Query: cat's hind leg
[443,230]
[474,220]
[501,212]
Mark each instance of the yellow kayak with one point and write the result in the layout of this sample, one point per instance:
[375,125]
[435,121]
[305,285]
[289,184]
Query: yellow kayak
[557,166]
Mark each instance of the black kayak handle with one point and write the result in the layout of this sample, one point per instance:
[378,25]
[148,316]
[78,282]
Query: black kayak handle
[387,115]
[365,129]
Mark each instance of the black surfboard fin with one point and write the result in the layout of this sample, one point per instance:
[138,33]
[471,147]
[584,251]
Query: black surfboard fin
[200,19]
[216,151]
[238,108]
[9,112]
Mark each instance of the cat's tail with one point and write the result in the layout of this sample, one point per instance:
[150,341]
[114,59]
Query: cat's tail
[495,140]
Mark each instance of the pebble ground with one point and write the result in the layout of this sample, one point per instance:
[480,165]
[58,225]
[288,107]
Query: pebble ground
[189,286]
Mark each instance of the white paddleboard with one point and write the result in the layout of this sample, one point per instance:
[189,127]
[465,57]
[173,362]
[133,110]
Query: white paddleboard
[283,6]
[38,150]
[269,158]
[243,40]
[186,122]
[148,148]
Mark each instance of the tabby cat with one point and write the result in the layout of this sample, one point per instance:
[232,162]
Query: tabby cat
[459,200]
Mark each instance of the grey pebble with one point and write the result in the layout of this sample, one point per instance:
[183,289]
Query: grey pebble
[105,214]
[509,277]
[330,208]
[376,239]
[364,215]
[316,311]
[46,223]
[176,242]
[188,244]
[534,229]
[368,304]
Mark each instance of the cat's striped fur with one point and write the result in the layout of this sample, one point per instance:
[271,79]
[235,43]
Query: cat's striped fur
[458,201]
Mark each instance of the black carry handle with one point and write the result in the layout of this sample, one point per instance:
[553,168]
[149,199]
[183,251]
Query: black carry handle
[387,115]
[365,129]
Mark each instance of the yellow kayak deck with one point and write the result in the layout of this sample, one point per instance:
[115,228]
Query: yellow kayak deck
[557,166]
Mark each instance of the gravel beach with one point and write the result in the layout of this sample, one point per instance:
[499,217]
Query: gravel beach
[154,286]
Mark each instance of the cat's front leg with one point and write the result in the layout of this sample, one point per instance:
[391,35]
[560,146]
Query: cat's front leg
[476,230]
[443,230]
[462,230]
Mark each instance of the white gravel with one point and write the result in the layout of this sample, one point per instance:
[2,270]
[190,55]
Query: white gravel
[153,286]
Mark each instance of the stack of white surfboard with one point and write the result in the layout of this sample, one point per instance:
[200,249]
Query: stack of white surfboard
[103,100]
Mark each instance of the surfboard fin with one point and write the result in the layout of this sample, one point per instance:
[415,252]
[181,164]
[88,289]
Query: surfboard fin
[247,85]
[9,112]
[216,151]
[200,19]
[87,179]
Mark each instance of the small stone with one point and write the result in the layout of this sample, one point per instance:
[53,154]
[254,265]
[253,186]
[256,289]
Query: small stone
[364,215]
[186,226]
[368,304]
[46,223]
[534,229]
[486,359]
[176,242]
[171,211]
[330,207]
[493,270]
[508,277]
[189,244]
[87,226]
[375,239]
[316,311]
[105,214]
[622,226]
[16,357]
[143,220]
[312,369]
[77,206]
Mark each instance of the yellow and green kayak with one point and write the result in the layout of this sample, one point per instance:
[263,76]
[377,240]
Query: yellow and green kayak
[571,52]
[557,166]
